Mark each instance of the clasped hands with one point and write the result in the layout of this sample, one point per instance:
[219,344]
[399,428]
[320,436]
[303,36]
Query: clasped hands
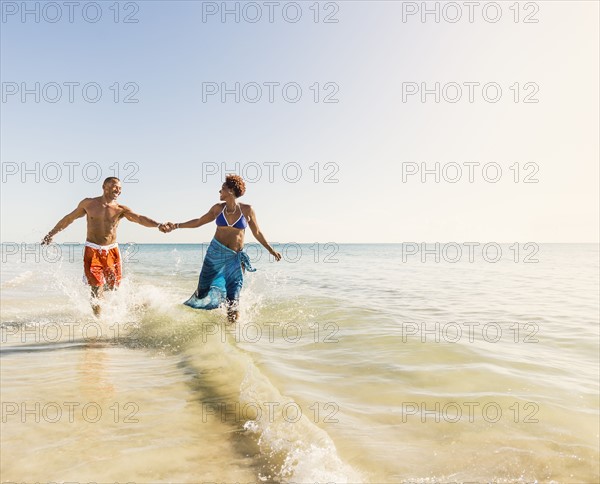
[167,227]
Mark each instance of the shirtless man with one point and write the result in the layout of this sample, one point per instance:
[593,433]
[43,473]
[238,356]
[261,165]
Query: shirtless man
[101,259]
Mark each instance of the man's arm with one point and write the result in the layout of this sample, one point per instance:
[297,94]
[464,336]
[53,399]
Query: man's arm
[258,235]
[64,222]
[197,222]
[138,219]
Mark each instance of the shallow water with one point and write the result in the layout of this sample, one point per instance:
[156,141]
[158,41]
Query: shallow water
[355,363]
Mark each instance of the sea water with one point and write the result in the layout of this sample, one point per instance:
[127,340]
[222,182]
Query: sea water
[350,363]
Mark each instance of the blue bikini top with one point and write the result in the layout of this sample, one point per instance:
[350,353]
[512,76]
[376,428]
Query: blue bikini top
[240,223]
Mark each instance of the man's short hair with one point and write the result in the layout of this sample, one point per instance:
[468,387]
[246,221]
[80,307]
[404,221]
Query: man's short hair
[109,179]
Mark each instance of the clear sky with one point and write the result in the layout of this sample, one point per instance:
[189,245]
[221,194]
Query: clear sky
[173,147]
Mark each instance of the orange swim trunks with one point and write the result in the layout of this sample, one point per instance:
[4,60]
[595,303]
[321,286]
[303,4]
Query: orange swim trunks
[102,265]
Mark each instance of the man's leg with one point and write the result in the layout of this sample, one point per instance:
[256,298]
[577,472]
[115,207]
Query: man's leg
[112,269]
[92,266]
[97,292]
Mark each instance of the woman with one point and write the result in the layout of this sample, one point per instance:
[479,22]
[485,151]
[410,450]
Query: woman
[222,274]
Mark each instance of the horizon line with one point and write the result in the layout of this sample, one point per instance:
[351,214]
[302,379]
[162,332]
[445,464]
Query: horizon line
[319,242]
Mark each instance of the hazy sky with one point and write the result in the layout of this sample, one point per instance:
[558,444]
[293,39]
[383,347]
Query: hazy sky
[323,171]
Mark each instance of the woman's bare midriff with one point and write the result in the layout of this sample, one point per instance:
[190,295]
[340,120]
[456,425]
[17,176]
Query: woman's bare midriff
[230,237]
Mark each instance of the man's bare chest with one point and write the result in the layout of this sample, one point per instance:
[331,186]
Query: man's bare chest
[104,215]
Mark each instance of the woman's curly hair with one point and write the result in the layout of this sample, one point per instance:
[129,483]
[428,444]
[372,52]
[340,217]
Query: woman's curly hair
[235,183]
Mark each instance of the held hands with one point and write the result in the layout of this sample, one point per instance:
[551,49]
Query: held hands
[167,227]
[47,240]
[275,254]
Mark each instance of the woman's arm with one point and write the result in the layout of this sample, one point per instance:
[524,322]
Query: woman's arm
[258,235]
[197,222]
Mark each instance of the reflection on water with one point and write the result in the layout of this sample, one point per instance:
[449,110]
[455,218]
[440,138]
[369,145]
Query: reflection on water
[94,380]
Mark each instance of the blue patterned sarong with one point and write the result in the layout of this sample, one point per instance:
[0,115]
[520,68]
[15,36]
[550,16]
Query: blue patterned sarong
[221,277]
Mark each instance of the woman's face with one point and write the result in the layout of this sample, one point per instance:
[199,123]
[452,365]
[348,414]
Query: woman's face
[225,192]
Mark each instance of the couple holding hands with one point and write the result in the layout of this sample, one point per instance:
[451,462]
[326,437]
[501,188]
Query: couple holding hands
[222,274]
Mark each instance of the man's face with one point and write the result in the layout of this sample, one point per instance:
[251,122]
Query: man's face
[112,189]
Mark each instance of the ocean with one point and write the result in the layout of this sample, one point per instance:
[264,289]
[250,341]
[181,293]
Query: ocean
[379,363]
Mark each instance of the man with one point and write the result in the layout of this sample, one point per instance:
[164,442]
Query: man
[101,259]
